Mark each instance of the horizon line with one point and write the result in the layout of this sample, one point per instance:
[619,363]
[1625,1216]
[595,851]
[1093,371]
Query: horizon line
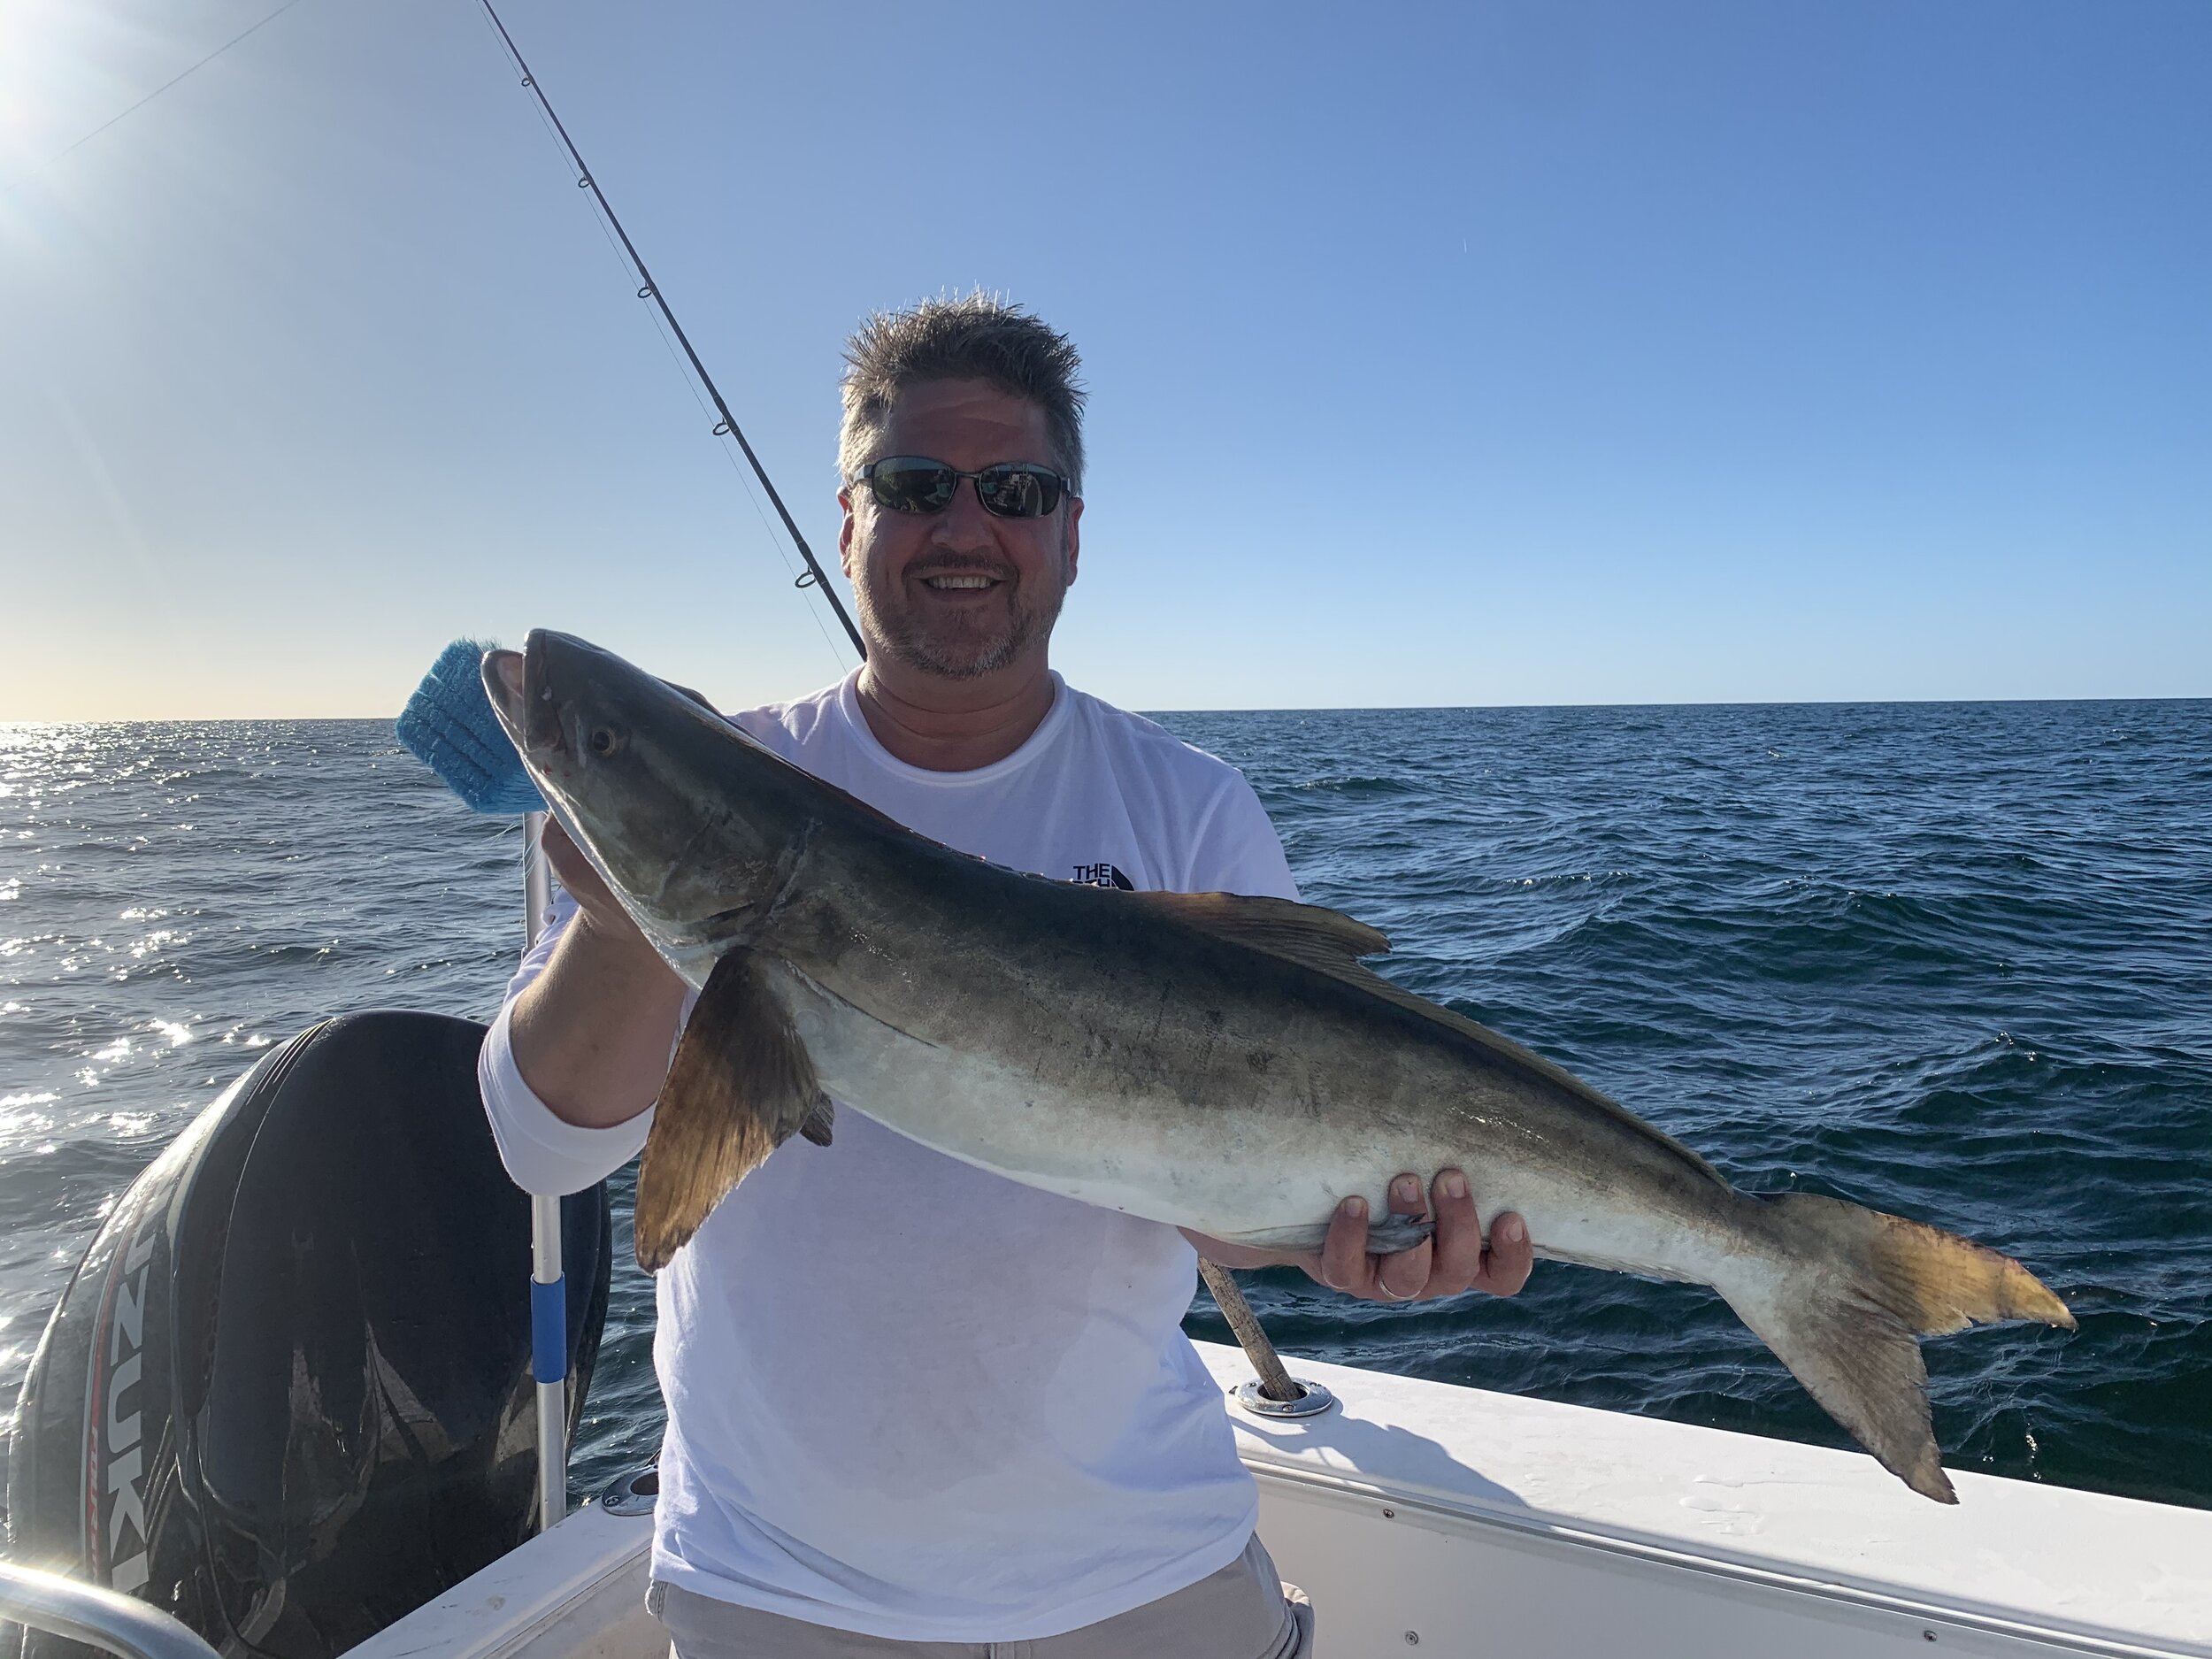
[12,723]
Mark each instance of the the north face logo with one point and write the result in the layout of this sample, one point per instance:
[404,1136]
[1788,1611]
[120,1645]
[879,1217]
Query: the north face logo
[1104,876]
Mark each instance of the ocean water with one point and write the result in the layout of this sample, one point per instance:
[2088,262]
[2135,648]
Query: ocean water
[1952,960]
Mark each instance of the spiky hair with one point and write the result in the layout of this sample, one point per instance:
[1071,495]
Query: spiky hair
[978,337]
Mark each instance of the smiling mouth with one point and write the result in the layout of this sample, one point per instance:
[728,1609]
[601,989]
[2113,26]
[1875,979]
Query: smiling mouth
[959,581]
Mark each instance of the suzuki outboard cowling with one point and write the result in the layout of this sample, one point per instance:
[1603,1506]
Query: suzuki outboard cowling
[288,1395]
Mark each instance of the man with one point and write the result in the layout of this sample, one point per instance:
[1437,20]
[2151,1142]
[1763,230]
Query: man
[914,1407]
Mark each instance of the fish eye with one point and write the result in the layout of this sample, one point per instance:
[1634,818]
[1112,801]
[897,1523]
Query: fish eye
[604,741]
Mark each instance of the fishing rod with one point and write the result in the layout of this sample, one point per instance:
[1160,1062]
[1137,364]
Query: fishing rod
[649,289]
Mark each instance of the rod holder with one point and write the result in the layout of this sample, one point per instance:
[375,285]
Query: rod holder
[1275,1393]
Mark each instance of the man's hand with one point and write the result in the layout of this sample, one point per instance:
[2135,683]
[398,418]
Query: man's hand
[584,882]
[1450,1261]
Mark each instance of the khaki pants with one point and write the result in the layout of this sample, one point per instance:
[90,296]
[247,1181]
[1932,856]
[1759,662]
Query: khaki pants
[1244,1611]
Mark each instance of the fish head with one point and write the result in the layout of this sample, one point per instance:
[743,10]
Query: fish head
[651,785]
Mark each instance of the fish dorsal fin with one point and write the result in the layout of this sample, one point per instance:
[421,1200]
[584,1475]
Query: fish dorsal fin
[1331,942]
[740,1085]
[1326,940]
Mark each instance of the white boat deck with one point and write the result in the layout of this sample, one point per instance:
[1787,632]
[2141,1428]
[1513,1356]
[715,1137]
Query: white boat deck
[1425,1517]
[1526,1527]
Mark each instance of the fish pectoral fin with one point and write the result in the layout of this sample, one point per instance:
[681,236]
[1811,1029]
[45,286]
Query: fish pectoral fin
[1393,1233]
[740,1085]
[1323,938]
[820,1120]
[1385,1237]
[1306,1240]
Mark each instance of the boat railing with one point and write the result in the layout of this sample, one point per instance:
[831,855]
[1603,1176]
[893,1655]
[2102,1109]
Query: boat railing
[84,1612]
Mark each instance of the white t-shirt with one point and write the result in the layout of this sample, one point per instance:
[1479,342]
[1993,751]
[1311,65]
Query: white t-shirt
[907,1397]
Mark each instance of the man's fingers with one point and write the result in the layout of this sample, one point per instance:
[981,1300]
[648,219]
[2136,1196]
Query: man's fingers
[1405,1196]
[583,882]
[1458,1236]
[1344,1253]
[1452,1260]
[1505,1266]
[562,853]
[594,900]
[1402,1277]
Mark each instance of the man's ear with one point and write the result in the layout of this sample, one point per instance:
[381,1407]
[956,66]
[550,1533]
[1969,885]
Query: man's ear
[845,535]
[1072,543]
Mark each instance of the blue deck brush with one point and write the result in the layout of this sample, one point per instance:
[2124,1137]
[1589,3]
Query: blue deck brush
[450,727]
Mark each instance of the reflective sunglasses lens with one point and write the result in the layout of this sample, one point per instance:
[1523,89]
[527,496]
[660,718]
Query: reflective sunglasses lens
[904,484]
[1018,492]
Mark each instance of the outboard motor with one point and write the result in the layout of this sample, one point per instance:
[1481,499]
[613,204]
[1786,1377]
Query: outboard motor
[288,1395]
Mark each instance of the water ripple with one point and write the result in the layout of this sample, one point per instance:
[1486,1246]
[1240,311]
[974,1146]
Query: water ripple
[1950,960]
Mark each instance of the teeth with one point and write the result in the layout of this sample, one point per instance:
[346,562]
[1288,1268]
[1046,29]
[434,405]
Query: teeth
[959,581]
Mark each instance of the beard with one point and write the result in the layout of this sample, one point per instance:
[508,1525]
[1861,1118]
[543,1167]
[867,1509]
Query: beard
[954,645]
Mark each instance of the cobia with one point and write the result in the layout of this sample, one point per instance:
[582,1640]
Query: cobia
[1215,1061]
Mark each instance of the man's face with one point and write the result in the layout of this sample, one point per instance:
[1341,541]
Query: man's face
[958,592]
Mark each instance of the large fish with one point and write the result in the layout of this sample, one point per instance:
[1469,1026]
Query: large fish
[1214,1062]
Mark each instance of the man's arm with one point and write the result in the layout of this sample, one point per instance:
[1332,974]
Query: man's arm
[591,1035]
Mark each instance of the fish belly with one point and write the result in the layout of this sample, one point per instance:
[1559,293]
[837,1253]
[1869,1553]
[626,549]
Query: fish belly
[1219,1172]
[1248,1176]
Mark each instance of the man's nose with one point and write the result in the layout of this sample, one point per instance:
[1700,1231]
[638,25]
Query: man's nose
[964,524]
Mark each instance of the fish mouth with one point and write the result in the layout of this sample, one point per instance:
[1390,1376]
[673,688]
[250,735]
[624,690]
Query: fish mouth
[520,687]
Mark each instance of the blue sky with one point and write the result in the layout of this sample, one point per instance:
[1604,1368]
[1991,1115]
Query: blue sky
[1478,354]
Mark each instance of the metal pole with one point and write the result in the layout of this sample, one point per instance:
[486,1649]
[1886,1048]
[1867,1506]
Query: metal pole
[1276,1384]
[549,1294]
[89,1613]
[537,879]
[549,1358]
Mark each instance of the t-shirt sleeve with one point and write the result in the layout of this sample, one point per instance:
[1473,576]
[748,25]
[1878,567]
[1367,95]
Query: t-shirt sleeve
[545,1154]
[1237,849]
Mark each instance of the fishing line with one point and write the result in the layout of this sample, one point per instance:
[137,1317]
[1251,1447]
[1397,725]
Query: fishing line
[691,387]
[172,81]
[751,494]
[649,289]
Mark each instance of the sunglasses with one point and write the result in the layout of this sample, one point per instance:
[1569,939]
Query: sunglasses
[1012,489]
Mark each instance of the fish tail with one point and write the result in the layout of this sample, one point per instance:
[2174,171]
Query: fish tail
[1855,1290]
